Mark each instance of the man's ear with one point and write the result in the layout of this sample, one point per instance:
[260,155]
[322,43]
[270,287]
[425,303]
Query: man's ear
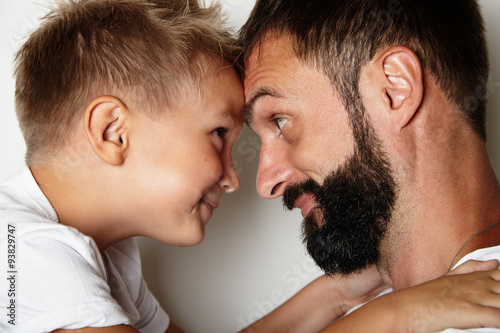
[106,124]
[402,83]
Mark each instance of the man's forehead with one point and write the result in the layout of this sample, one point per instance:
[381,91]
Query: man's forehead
[271,45]
[272,57]
[270,61]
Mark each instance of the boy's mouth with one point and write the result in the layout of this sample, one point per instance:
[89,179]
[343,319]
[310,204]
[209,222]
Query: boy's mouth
[211,204]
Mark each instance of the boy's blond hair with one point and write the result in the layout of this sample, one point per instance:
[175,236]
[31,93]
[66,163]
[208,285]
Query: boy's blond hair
[154,52]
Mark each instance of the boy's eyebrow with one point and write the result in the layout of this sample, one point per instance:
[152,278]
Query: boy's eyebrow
[261,92]
[227,114]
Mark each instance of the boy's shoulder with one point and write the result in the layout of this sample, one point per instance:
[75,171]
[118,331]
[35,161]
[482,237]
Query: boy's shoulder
[62,274]
[29,217]
[21,195]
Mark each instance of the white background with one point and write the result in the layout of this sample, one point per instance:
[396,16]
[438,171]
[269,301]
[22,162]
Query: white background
[252,258]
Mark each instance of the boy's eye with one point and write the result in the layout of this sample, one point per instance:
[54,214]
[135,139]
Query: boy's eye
[280,122]
[220,132]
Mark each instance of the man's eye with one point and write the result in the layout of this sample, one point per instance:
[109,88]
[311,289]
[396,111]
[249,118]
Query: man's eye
[220,132]
[281,122]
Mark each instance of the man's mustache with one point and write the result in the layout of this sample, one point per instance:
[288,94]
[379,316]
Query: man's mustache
[294,191]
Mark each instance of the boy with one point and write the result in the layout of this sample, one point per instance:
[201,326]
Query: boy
[120,144]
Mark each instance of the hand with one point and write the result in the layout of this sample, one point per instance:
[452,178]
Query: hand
[467,297]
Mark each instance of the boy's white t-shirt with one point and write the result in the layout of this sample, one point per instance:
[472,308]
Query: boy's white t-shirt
[55,277]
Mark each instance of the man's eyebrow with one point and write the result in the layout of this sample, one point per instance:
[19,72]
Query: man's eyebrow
[261,92]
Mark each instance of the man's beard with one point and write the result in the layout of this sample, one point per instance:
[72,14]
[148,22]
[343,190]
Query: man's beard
[355,204]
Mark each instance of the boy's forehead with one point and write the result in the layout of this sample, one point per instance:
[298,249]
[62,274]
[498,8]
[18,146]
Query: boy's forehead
[220,92]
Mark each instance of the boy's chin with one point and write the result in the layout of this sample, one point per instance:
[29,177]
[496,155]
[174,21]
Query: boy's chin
[197,238]
[186,237]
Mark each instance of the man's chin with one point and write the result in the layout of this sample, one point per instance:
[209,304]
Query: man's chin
[345,256]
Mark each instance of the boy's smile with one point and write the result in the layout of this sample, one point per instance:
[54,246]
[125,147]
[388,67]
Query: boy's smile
[210,205]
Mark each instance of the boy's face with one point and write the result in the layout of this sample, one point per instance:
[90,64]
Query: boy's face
[183,163]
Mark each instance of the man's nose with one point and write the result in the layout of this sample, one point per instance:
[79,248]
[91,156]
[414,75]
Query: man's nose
[273,174]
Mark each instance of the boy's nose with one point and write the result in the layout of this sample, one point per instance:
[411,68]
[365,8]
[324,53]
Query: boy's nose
[230,181]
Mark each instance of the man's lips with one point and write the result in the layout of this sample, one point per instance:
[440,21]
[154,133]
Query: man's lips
[305,203]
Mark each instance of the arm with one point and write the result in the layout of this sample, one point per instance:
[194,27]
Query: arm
[464,301]
[451,301]
[320,303]
[110,329]
[172,328]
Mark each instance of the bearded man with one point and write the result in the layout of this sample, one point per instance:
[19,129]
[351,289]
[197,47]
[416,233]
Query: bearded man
[374,126]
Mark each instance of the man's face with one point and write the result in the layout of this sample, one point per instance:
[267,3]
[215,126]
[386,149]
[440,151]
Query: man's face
[310,155]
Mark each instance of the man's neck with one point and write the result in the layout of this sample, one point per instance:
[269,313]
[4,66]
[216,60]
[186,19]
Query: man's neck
[447,210]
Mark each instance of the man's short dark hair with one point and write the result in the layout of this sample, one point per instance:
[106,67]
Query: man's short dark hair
[340,36]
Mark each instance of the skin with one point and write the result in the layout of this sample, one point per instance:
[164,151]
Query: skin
[129,155]
[305,133]
[326,298]
[315,168]
[296,150]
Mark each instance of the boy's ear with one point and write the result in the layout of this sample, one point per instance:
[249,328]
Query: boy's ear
[106,124]
[402,82]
